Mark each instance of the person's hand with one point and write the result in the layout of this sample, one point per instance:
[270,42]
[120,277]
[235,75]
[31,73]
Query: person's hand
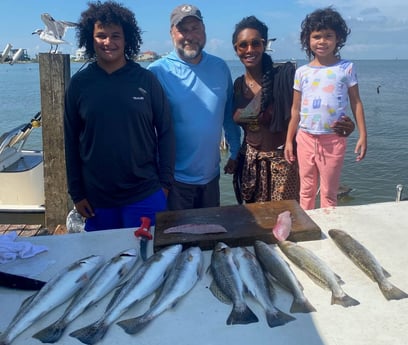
[230,166]
[84,208]
[361,149]
[344,126]
[288,152]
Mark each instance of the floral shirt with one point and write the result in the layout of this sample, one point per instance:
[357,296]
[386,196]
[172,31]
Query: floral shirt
[324,94]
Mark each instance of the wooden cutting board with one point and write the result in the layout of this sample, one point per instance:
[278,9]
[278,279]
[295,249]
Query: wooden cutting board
[244,224]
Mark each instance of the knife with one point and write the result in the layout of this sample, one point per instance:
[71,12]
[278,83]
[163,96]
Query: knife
[145,236]
[20,282]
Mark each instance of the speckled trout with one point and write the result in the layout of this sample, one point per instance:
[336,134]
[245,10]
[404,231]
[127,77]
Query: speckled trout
[274,264]
[366,261]
[254,279]
[228,286]
[147,278]
[184,274]
[108,277]
[318,271]
[55,292]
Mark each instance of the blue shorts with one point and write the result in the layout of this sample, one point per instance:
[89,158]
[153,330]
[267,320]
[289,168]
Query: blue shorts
[127,216]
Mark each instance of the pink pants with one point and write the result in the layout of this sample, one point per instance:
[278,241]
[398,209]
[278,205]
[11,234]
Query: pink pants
[319,156]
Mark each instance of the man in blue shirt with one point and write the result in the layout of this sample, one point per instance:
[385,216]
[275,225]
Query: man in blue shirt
[199,88]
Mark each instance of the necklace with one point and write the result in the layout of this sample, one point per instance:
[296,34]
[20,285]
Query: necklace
[250,83]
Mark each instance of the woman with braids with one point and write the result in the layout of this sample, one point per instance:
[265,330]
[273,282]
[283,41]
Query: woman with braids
[119,138]
[262,103]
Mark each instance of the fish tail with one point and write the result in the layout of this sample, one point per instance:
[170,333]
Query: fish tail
[134,325]
[345,301]
[301,306]
[4,340]
[392,293]
[92,333]
[277,318]
[52,333]
[241,315]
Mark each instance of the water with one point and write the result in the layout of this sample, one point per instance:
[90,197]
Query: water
[373,180]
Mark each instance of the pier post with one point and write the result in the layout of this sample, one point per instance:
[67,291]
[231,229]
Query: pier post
[55,73]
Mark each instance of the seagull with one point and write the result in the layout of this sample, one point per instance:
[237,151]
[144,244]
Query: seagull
[269,44]
[54,30]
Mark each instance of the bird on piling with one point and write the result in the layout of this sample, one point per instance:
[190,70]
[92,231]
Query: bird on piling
[54,31]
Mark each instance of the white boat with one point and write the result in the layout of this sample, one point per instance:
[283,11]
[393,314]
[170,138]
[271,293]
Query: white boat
[21,171]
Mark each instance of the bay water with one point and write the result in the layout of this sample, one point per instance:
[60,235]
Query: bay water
[383,90]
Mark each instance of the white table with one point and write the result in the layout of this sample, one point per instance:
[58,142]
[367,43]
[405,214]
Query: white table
[200,319]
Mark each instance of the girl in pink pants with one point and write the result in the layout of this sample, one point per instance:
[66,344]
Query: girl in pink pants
[322,91]
[319,156]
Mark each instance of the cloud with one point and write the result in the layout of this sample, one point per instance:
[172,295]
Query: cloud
[379,29]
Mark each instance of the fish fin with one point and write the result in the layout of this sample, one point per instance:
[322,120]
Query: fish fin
[92,333]
[26,302]
[114,297]
[301,306]
[156,296]
[208,271]
[338,278]
[393,293]
[51,333]
[271,281]
[219,294]
[241,316]
[278,318]
[386,273]
[345,301]
[135,324]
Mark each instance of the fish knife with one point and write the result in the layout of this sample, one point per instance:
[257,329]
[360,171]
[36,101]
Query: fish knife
[14,281]
[145,236]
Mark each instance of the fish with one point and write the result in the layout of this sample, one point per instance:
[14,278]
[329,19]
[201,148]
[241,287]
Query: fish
[147,278]
[108,277]
[274,264]
[56,291]
[367,262]
[283,226]
[196,229]
[254,279]
[228,285]
[318,271]
[184,274]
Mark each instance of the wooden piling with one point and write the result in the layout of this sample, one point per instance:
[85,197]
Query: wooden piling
[55,73]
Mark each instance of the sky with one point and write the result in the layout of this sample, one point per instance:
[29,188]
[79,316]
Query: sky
[379,28]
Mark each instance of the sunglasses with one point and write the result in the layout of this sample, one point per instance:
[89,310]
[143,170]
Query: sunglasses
[255,43]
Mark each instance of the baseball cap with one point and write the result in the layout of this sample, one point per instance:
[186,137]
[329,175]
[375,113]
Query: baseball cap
[183,11]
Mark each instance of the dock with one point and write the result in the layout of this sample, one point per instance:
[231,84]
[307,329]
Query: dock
[28,230]
[199,318]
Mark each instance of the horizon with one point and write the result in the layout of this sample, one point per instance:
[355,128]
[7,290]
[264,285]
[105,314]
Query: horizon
[379,30]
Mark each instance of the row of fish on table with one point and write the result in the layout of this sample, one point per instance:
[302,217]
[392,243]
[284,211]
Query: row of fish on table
[172,272]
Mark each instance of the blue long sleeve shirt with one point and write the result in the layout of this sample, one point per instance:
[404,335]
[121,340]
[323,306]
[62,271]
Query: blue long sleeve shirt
[200,97]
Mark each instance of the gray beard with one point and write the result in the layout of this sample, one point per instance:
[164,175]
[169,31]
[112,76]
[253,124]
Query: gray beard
[189,54]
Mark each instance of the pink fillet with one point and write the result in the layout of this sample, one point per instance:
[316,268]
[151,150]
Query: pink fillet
[196,229]
[283,226]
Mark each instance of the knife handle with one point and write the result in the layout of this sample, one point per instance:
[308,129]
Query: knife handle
[143,230]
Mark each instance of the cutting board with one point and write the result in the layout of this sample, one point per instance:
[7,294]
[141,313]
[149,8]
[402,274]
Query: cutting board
[244,224]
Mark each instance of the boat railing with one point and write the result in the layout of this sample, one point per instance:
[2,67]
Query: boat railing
[18,136]
[12,142]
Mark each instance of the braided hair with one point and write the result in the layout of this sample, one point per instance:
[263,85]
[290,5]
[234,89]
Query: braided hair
[268,77]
